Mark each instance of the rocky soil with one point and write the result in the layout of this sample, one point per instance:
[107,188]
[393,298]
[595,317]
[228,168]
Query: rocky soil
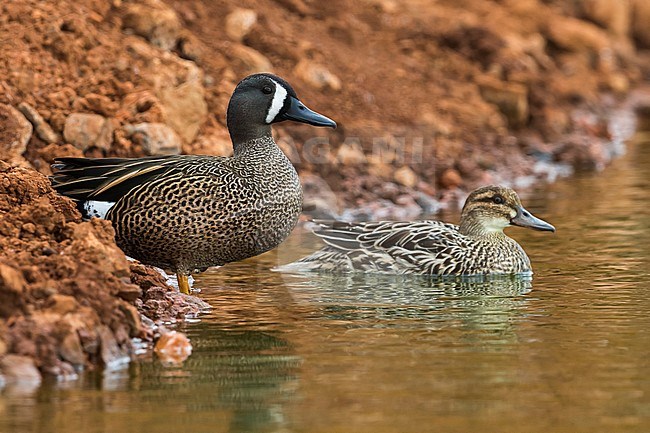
[70,298]
[430,97]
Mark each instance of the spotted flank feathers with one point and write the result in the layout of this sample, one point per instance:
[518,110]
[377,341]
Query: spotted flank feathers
[478,246]
[190,212]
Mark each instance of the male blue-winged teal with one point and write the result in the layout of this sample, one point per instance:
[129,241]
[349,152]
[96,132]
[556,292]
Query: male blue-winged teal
[190,212]
[477,247]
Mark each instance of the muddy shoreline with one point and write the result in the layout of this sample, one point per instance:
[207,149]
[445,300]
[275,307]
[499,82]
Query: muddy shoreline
[432,99]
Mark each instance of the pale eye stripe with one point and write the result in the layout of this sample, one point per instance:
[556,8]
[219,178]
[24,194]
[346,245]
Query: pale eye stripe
[278,101]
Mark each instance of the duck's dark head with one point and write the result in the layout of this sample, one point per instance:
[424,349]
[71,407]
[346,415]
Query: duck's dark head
[491,209]
[262,99]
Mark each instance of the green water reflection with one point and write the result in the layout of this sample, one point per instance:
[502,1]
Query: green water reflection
[567,352]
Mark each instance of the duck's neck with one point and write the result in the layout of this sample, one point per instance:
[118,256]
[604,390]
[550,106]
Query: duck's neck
[242,136]
[244,125]
[262,149]
[472,228]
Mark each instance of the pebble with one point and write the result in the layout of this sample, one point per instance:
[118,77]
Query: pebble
[155,138]
[640,20]
[16,132]
[239,22]
[19,369]
[450,179]
[185,108]
[405,176]
[85,130]
[317,75]
[350,154]
[173,347]
[576,35]
[319,199]
[155,21]
[41,127]
[511,98]
[250,59]
[614,15]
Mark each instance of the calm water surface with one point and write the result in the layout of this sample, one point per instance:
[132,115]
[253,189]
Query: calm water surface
[569,352]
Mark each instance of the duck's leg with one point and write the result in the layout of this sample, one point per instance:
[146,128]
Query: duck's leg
[183,283]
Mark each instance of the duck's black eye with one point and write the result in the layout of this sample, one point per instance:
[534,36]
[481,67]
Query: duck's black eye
[497,199]
[267,89]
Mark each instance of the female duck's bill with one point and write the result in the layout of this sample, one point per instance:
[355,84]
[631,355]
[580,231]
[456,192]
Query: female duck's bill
[527,219]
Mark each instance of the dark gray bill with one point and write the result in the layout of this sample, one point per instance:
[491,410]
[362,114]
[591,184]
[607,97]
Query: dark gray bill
[527,219]
[299,113]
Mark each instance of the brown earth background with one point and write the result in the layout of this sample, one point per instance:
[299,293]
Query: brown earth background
[431,97]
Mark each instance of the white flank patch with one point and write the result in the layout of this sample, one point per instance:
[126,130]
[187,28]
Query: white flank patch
[278,101]
[98,209]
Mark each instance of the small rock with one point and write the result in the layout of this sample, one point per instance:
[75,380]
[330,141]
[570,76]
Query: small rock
[576,35]
[239,22]
[389,191]
[62,98]
[132,319]
[405,176]
[88,238]
[640,20]
[296,6]
[450,179]
[614,15]
[350,153]
[19,369]
[11,279]
[71,351]
[407,208]
[381,170]
[100,104]
[317,76]
[319,199]
[190,47]
[12,285]
[129,292]
[248,59]
[63,304]
[173,348]
[110,352]
[619,83]
[155,21]
[511,98]
[15,133]
[85,130]
[42,128]
[427,203]
[155,138]
[185,107]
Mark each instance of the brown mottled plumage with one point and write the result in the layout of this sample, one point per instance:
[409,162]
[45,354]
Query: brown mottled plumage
[189,212]
[477,247]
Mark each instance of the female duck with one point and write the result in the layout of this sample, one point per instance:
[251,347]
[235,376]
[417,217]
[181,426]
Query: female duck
[191,212]
[477,247]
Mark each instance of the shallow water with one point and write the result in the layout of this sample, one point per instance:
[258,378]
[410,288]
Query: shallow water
[567,352]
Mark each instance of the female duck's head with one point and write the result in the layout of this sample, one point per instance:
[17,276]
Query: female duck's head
[262,99]
[491,209]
